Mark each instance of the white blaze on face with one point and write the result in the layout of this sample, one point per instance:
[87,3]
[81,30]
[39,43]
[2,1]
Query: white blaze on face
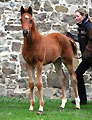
[26,16]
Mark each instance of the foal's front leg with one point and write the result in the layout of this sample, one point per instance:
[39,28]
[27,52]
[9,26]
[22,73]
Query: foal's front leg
[31,74]
[40,85]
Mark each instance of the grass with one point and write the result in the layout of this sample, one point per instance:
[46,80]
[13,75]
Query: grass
[17,109]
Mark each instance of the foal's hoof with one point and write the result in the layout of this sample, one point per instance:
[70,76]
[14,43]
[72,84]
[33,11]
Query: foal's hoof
[77,108]
[61,108]
[39,113]
[31,108]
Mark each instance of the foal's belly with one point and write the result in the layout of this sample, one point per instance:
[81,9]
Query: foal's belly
[52,53]
[50,58]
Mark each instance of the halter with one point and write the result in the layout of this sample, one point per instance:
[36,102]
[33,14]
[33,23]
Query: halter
[27,25]
[89,49]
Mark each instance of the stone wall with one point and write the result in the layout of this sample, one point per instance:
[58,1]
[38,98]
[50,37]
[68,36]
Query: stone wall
[49,16]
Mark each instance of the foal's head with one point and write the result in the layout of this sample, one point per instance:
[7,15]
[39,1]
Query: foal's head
[26,20]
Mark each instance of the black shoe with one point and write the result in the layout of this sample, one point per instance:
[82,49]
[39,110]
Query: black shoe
[81,102]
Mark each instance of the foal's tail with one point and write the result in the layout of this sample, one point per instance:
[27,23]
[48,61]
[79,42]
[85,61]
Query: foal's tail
[74,46]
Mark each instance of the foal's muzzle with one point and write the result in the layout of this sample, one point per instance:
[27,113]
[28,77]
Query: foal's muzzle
[25,33]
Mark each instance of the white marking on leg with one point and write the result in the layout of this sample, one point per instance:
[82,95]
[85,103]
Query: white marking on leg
[41,108]
[31,107]
[77,100]
[64,101]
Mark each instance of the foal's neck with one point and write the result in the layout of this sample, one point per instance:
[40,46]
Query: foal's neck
[32,37]
[33,33]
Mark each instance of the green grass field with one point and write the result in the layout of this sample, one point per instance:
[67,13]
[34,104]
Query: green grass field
[17,109]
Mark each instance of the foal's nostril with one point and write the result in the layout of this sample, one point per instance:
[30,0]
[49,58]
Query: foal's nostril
[25,33]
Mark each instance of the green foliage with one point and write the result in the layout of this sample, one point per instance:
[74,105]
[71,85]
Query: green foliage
[17,109]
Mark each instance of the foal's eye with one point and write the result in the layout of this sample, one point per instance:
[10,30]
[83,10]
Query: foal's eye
[31,21]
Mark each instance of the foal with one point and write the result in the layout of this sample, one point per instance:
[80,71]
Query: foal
[39,50]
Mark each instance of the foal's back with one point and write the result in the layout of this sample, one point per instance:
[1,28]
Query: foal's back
[56,45]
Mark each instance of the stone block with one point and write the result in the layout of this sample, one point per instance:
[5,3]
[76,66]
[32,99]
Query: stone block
[2,90]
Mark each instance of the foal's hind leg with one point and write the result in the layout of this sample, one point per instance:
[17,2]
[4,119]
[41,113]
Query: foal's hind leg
[64,95]
[73,77]
[31,75]
[62,79]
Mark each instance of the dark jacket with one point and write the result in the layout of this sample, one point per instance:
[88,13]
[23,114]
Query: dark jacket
[83,33]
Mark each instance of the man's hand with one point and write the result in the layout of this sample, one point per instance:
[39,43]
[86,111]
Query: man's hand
[69,34]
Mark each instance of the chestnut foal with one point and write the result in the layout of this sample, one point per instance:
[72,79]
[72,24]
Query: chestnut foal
[39,50]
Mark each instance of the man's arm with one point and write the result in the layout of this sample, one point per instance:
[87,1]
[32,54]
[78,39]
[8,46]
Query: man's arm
[74,37]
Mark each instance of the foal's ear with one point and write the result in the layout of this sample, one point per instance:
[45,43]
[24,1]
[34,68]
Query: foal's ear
[22,10]
[30,10]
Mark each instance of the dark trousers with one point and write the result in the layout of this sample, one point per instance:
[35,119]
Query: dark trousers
[83,66]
